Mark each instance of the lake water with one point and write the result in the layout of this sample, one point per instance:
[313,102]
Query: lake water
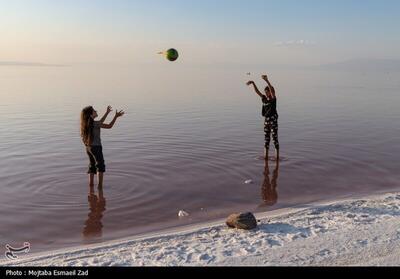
[189,140]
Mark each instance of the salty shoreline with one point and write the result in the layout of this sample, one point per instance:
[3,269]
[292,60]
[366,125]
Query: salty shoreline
[358,231]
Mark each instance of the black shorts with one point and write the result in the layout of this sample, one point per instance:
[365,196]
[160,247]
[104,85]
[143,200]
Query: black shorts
[96,159]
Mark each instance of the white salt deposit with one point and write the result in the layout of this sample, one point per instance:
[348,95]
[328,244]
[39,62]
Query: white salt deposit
[352,232]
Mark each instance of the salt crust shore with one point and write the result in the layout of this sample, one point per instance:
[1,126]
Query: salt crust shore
[353,232]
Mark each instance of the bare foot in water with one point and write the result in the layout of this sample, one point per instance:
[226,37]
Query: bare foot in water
[91,190]
[266,151]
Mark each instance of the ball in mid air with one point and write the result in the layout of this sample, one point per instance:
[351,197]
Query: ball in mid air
[172,54]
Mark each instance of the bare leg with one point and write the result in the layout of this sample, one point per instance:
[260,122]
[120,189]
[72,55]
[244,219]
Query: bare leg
[100,176]
[91,184]
[266,169]
[91,191]
[277,154]
[266,151]
[91,180]
[101,193]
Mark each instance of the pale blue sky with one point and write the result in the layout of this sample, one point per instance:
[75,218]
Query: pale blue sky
[288,31]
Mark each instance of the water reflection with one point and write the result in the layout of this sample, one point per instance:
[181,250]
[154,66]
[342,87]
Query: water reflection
[97,206]
[269,187]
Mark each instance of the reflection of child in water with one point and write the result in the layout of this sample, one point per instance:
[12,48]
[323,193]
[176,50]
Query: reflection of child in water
[269,193]
[93,226]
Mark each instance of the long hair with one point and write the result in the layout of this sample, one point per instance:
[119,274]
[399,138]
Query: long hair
[87,125]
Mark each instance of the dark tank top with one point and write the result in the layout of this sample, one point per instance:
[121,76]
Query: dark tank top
[269,107]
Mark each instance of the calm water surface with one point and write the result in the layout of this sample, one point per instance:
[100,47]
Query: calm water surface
[189,139]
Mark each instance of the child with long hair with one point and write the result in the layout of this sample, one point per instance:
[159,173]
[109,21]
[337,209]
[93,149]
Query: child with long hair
[90,134]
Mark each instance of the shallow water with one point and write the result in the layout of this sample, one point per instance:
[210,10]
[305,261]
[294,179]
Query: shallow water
[190,139]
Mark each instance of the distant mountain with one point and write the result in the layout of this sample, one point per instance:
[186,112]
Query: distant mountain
[28,64]
[387,65]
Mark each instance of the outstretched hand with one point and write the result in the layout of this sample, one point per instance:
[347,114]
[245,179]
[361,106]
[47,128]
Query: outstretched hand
[119,113]
[109,109]
[264,77]
[250,83]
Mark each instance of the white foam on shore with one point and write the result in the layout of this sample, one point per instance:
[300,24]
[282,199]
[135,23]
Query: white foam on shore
[348,232]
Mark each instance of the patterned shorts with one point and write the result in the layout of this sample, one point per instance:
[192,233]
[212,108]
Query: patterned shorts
[271,127]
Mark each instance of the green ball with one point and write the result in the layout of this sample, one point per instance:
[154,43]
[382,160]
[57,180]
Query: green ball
[172,54]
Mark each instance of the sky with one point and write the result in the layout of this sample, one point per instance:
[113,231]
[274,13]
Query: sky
[287,32]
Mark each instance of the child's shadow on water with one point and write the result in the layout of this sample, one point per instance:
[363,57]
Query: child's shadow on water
[97,206]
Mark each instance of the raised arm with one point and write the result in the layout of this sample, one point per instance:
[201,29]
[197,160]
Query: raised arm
[111,124]
[265,77]
[109,109]
[255,88]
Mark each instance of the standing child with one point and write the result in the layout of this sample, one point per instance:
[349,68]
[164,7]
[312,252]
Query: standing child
[90,133]
[270,113]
